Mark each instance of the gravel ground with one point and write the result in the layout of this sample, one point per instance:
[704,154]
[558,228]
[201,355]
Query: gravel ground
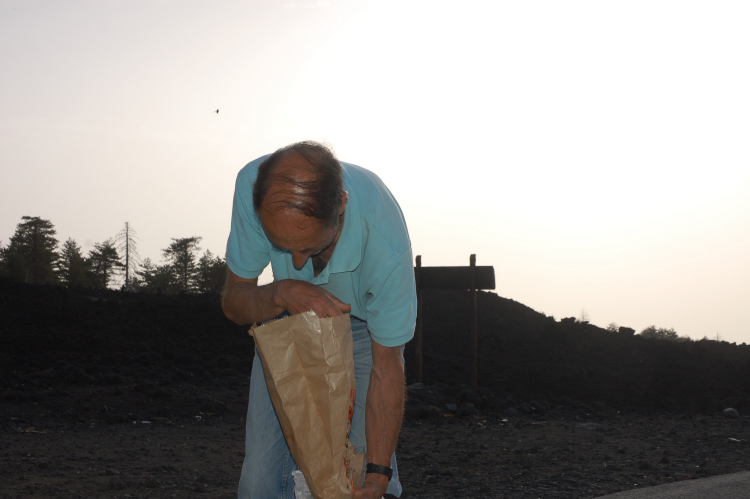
[164,441]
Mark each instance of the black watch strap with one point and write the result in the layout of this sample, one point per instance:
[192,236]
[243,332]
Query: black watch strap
[379,469]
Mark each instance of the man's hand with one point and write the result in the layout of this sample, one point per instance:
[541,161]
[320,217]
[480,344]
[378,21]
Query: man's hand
[373,487]
[297,297]
[244,302]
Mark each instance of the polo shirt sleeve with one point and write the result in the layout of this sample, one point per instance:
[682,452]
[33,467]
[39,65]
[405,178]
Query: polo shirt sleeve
[248,251]
[391,301]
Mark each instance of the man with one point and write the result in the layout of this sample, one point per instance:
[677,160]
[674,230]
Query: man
[337,242]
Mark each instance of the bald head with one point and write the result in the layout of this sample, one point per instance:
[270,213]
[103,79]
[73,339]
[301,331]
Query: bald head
[304,177]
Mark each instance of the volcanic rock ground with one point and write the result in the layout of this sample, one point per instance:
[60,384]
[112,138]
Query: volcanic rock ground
[110,394]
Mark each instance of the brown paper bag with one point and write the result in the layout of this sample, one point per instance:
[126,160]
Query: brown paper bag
[308,363]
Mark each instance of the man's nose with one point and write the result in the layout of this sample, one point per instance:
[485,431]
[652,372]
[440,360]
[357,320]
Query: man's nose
[299,259]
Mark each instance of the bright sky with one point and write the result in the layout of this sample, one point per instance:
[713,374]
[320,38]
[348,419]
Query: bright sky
[596,153]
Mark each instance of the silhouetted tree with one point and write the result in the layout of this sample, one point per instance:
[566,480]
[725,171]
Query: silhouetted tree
[4,271]
[30,255]
[181,256]
[126,244]
[103,263]
[210,274]
[152,278]
[71,266]
[670,334]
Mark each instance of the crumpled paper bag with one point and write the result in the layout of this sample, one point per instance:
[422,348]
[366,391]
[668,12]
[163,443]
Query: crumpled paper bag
[308,364]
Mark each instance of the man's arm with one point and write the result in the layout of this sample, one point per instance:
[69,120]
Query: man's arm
[244,302]
[384,414]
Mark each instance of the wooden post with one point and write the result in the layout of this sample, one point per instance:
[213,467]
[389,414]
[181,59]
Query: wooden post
[473,328]
[418,332]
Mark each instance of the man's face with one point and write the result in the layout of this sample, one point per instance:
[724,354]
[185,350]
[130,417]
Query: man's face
[297,233]
[291,230]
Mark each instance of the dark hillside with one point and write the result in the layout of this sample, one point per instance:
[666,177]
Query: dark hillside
[50,336]
[527,356]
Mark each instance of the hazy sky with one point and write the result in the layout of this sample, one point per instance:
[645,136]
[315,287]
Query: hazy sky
[596,153]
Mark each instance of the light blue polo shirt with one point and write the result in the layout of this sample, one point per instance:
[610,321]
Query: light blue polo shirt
[371,267]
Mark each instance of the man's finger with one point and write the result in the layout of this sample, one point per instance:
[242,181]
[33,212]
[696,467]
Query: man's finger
[340,306]
[334,308]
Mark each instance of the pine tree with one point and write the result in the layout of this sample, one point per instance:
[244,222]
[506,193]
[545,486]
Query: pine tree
[211,273]
[4,272]
[125,240]
[155,278]
[71,267]
[103,263]
[30,255]
[181,256]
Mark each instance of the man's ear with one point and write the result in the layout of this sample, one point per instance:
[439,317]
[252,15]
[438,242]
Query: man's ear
[344,199]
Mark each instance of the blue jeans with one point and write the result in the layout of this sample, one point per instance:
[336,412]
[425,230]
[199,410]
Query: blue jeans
[267,469]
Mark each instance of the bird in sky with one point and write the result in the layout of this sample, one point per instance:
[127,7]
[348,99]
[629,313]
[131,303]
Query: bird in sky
[217,111]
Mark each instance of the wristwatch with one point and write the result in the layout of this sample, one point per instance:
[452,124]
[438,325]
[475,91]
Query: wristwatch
[379,469]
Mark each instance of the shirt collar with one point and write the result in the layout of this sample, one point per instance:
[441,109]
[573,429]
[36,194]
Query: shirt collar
[348,252]
[347,255]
